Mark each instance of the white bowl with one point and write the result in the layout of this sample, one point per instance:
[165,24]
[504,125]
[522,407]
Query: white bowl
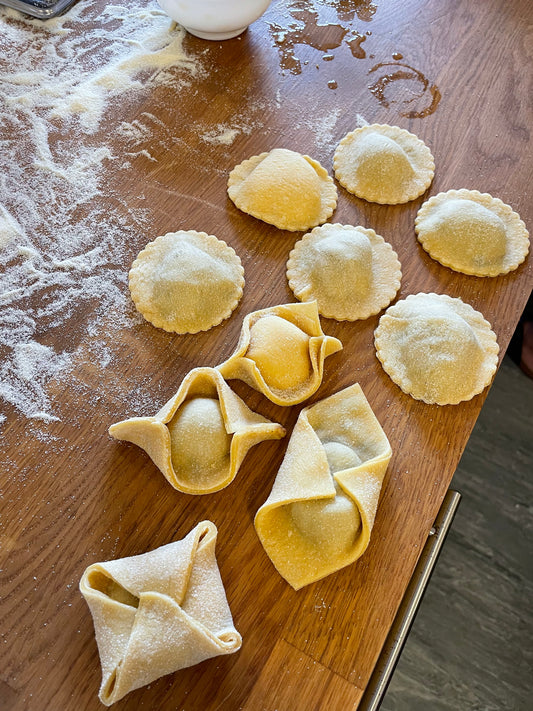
[214,19]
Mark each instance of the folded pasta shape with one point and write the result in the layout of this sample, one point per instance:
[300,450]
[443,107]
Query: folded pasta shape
[281,352]
[383,164]
[158,612]
[200,438]
[436,348]
[320,512]
[284,188]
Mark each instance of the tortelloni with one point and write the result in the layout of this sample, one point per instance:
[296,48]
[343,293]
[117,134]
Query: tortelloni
[436,348]
[320,512]
[201,436]
[158,612]
[281,352]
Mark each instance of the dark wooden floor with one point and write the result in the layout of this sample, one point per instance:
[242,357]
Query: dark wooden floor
[471,644]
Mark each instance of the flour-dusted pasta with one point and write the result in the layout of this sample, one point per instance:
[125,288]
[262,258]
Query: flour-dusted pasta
[436,348]
[281,352]
[200,437]
[320,512]
[186,281]
[351,272]
[472,232]
[383,164]
[158,612]
[284,188]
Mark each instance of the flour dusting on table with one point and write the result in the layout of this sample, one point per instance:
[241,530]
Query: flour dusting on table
[62,229]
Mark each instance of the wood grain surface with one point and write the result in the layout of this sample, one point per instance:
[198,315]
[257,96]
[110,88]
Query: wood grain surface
[298,78]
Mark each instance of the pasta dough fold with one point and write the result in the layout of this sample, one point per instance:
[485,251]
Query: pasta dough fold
[200,438]
[158,612]
[320,512]
[281,352]
[284,188]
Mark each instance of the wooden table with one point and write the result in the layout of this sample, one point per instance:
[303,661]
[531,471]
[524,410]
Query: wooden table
[455,73]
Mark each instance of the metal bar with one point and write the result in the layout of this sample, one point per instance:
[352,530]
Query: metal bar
[382,674]
[42,9]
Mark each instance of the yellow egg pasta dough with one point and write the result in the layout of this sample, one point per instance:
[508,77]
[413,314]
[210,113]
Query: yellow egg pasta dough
[200,438]
[351,272]
[472,232]
[383,164]
[321,510]
[284,188]
[281,352]
[158,612]
[437,348]
[186,281]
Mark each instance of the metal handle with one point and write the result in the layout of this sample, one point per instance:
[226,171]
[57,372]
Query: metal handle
[382,674]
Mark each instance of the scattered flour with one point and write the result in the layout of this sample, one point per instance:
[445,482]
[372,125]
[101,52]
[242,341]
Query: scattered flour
[61,228]
[223,134]
[63,231]
[326,134]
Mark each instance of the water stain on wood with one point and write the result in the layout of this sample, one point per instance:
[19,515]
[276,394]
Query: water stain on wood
[307,27]
[406,86]
[348,10]
[355,45]
[323,37]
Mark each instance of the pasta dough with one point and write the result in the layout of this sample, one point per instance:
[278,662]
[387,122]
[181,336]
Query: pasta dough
[284,188]
[383,164]
[436,348]
[186,281]
[281,352]
[472,233]
[158,612]
[201,436]
[320,512]
[351,272]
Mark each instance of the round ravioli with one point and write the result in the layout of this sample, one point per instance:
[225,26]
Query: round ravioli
[436,348]
[284,188]
[383,164]
[351,272]
[186,281]
[472,232]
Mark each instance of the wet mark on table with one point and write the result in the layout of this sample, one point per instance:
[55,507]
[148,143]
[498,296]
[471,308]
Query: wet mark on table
[399,84]
[348,10]
[325,27]
[306,29]
[328,26]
